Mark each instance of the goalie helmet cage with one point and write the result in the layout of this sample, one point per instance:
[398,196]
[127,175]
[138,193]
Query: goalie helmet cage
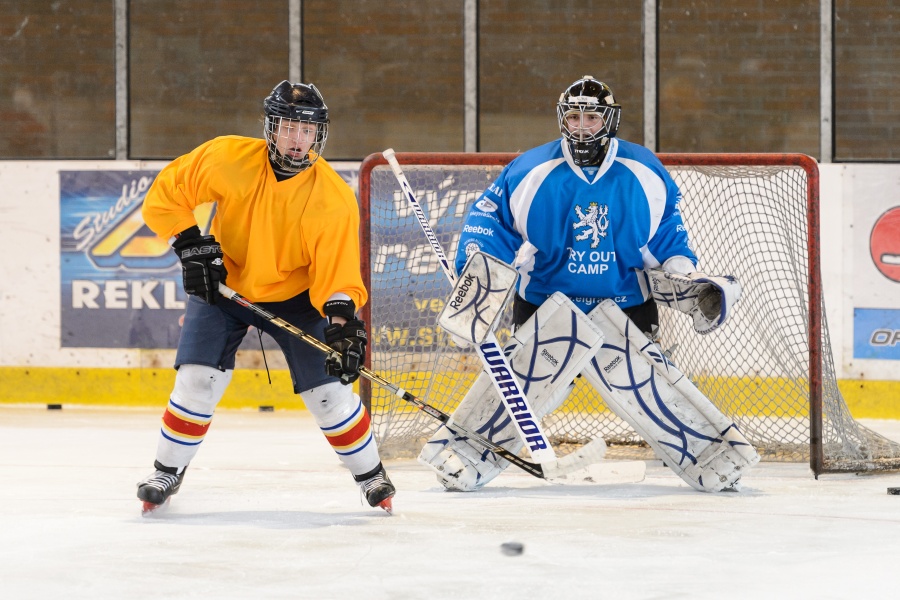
[769,368]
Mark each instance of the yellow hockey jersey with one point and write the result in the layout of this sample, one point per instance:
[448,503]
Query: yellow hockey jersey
[279,238]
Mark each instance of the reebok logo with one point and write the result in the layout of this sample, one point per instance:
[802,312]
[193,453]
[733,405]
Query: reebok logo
[549,358]
[612,364]
[462,291]
[479,230]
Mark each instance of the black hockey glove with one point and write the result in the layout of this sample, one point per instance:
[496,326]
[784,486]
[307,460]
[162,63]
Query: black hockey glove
[350,340]
[201,264]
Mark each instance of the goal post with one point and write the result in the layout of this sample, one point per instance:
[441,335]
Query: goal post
[755,216]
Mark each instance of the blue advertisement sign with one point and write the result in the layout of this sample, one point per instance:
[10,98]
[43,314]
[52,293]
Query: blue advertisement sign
[408,285]
[121,284]
[876,333]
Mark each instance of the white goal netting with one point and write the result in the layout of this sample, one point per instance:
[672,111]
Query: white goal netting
[769,367]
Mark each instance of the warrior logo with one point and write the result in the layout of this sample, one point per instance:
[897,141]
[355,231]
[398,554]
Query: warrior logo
[595,223]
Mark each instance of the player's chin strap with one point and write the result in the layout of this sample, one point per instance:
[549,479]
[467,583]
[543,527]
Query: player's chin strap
[708,299]
[548,470]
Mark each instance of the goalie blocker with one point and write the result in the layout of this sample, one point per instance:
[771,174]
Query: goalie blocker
[480,294]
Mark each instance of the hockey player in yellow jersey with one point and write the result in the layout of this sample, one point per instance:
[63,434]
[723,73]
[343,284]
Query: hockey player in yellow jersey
[285,235]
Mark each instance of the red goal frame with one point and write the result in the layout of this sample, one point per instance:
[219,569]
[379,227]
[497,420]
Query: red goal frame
[815,306]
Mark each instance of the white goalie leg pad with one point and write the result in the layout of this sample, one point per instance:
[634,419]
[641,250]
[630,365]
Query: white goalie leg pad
[189,413]
[708,299]
[546,353]
[683,427]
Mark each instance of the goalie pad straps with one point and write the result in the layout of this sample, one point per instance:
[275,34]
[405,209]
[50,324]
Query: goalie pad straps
[707,299]
[683,427]
[478,298]
[546,353]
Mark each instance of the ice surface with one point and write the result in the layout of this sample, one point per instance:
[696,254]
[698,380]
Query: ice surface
[266,511]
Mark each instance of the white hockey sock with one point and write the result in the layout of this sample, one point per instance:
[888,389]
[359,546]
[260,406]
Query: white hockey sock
[197,391]
[345,422]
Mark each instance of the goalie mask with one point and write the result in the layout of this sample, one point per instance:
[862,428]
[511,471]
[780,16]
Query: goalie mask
[588,117]
[296,126]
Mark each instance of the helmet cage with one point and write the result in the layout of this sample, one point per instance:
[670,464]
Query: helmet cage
[287,108]
[587,95]
[290,131]
[609,114]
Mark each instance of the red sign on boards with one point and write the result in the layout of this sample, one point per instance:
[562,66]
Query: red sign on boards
[884,244]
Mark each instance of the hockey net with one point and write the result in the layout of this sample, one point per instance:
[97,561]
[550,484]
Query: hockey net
[769,368]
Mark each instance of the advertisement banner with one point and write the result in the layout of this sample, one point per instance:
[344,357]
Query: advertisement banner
[876,333]
[121,284]
[876,269]
[409,287]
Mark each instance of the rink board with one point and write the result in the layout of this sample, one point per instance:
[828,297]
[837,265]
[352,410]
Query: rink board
[250,388]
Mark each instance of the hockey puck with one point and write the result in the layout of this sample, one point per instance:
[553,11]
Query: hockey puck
[894,491]
[54,407]
[512,548]
[266,409]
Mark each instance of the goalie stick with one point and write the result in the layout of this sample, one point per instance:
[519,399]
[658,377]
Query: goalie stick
[556,468]
[513,399]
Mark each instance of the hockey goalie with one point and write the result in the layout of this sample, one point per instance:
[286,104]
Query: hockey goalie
[592,225]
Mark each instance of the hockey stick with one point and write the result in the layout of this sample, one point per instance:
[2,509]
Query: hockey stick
[537,442]
[591,452]
[556,468]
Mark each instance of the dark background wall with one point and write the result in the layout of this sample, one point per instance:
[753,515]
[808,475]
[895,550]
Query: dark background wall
[731,75]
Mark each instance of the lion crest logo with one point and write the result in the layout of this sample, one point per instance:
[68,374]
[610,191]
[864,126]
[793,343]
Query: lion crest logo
[594,223]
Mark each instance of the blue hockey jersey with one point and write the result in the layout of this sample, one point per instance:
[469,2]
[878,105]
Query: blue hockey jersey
[586,232]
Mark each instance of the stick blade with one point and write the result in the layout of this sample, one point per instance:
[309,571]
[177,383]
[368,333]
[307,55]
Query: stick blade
[591,453]
[608,472]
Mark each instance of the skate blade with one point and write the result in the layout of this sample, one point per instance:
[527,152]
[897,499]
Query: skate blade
[148,509]
[387,505]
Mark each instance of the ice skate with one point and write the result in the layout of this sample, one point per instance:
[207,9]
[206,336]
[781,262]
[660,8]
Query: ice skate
[156,489]
[378,490]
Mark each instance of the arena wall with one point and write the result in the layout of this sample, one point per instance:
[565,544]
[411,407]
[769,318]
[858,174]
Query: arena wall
[860,204]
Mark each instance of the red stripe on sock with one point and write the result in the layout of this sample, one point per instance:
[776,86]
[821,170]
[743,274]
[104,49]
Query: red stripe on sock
[180,426]
[352,435]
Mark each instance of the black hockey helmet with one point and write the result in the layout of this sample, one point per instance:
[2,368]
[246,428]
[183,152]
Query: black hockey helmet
[587,95]
[300,102]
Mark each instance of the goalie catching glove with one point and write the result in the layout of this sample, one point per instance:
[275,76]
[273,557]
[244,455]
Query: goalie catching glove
[201,264]
[707,299]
